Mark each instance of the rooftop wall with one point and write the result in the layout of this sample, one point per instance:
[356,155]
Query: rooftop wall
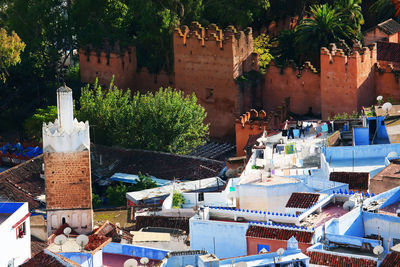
[301,85]
[347,82]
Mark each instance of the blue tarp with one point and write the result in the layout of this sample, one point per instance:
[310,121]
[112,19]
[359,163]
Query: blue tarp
[132,178]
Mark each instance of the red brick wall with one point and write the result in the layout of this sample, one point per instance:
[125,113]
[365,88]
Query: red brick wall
[67,180]
[347,83]
[387,83]
[302,86]
[274,245]
[375,35]
[211,60]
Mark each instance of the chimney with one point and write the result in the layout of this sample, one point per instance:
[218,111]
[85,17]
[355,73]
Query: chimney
[65,109]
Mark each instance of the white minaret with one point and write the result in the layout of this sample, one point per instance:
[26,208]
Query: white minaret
[66,134]
[65,109]
[66,149]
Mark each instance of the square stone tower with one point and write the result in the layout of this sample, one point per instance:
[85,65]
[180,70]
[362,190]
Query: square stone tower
[66,149]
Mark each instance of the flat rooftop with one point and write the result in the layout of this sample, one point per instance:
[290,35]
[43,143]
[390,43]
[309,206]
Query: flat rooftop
[391,209]
[332,210]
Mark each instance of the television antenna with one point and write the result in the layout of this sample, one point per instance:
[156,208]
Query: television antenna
[144,261]
[130,263]
[67,231]
[82,241]
[60,240]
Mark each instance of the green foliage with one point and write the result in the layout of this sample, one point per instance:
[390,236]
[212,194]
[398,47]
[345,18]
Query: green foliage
[383,10]
[351,13]
[240,13]
[177,200]
[164,121]
[116,195]
[11,47]
[96,201]
[33,125]
[144,182]
[324,26]
[262,44]
[344,116]
[286,47]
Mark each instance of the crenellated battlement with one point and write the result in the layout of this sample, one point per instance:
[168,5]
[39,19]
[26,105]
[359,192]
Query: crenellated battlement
[213,34]
[307,66]
[358,55]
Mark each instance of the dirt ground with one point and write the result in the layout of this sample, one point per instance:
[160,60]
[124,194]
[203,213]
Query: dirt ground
[115,216]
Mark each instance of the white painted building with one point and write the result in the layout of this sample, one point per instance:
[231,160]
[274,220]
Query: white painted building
[15,234]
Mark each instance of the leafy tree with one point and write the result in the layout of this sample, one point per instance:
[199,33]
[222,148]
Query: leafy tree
[96,201]
[286,47]
[385,9]
[116,195]
[11,47]
[177,200]
[351,13]
[262,46]
[324,26]
[240,13]
[164,121]
[144,182]
[33,125]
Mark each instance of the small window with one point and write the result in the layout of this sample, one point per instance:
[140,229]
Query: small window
[262,248]
[21,231]
[201,196]
[209,94]
[63,220]
[383,123]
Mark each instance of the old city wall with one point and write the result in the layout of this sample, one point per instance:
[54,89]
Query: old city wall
[301,85]
[68,171]
[123,66]
[387,82]
[347,82]
[206,62]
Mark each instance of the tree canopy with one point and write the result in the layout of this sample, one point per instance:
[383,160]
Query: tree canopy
[164,121]
[11,47]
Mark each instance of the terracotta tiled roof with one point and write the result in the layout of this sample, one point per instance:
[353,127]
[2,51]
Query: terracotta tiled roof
[96,241]
[111,230]
[389,26]
[43,260]
[278,233]
[60,230]
[37,245]
[391,260]
[388,51]
[159,164]
[335,260]
[355,180]
[302,200]
[22,183]
[162,221]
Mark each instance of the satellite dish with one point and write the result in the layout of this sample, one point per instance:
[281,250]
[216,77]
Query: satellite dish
[379,98]
[392,155]
[82,241]
[263,251]
[280,251]
[386,107]
[144,260]
[67,231]
[378,250]
[239,170]
[130,263]
[348,205]
[241,264]
[60,240]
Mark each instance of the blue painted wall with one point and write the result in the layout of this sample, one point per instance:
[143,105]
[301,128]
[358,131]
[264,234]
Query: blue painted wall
[360,136]
[381,132]
[230,237]
[363,151]
[138,251]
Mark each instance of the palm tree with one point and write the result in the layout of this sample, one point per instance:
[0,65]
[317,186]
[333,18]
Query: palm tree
[351,12]
[324,26]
